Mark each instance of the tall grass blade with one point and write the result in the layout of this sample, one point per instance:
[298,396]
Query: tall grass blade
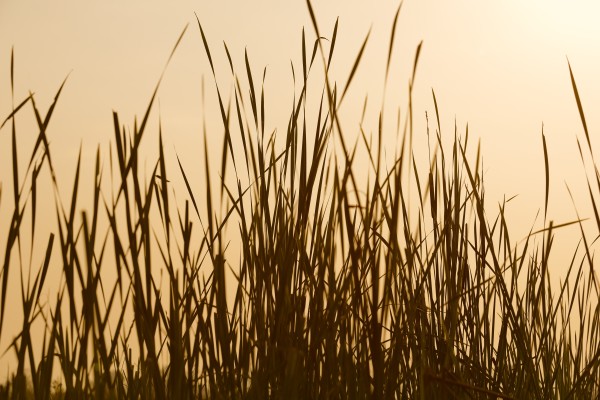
[392,37]
[354,67]
[580,107]
[547,173]
[16,109]
[333,41]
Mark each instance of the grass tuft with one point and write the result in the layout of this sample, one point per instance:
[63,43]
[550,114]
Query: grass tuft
[400,284]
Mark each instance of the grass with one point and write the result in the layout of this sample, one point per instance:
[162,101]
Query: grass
[400,286]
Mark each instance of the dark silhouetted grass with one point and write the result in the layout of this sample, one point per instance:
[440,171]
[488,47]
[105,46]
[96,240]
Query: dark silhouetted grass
[342,287]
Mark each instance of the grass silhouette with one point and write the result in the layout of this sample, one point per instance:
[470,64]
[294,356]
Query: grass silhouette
[340,288]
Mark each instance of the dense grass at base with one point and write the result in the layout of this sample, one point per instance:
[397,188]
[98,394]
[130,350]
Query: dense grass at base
[341,288]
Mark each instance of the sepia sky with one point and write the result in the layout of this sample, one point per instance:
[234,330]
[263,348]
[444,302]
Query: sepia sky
[501,67]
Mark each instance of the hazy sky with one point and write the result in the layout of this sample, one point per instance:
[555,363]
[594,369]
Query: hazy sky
[500,66]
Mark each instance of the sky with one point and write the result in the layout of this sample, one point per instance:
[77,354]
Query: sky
[500,67]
